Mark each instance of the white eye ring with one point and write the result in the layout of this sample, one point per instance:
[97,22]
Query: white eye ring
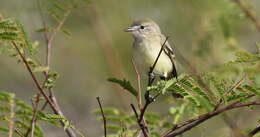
[142,27]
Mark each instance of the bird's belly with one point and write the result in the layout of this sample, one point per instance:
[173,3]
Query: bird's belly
[146,56]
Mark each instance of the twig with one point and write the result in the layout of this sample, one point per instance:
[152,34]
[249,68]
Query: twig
[51,101]
[11,120]
[33,121]
[150,80]
[104,118]
[48,41]
[141,125]
[148,98]
[249,14]
[139,98]
[34,77]
[148,102]
[198,120]
[55,31]
[254,131]
[18,132]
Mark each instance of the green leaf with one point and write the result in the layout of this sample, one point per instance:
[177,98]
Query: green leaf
[124,84]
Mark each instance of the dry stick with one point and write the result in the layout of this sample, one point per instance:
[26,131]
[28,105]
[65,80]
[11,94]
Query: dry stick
[190,123]
[104,118]
[249,14]
[139,98]
[254,131]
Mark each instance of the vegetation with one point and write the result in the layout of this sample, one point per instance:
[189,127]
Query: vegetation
[207,92]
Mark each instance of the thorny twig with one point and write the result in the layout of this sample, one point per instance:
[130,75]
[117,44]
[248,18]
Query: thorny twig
[103,116]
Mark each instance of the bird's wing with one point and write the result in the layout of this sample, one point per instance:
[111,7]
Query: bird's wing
[169,52]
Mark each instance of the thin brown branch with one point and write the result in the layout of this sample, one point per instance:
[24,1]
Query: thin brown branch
[200,119]
[37,84]
[50,39]
[18,132]
[33,121]
[254,131]
[139,97]
[140,123]
[103,116]
[249,14]
[150,79]
[51,101]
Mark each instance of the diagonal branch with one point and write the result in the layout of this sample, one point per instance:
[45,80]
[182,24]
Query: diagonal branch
[254,131]
[200,119]
[103,116]
[141,124]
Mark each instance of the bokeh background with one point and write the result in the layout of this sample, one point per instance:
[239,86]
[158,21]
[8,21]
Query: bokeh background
[98,49]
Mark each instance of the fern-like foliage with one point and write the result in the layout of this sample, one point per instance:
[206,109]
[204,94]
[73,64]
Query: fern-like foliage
[124,84]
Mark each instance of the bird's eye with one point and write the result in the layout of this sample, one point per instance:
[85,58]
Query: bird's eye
[142,27]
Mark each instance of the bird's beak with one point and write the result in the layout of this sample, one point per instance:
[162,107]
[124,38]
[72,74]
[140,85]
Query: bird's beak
[131,29]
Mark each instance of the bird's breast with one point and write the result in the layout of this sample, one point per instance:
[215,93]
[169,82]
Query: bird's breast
[145,54]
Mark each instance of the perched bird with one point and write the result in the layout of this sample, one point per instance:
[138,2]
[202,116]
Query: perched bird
[148,41]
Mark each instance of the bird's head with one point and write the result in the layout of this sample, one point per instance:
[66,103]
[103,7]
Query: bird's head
[144,29]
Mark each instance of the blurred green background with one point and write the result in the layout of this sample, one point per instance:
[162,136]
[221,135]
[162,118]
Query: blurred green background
[206,32]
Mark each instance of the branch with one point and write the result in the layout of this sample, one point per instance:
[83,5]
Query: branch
[196,121]
[37,84]
[34,117]
[51,101]
[104,118]
[141,125]
[254,131]
[150,79]
[48,41]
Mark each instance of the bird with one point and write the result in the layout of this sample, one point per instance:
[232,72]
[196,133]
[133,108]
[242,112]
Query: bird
[148,41]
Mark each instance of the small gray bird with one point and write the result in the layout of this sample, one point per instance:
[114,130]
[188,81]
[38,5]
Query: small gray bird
[148,41]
